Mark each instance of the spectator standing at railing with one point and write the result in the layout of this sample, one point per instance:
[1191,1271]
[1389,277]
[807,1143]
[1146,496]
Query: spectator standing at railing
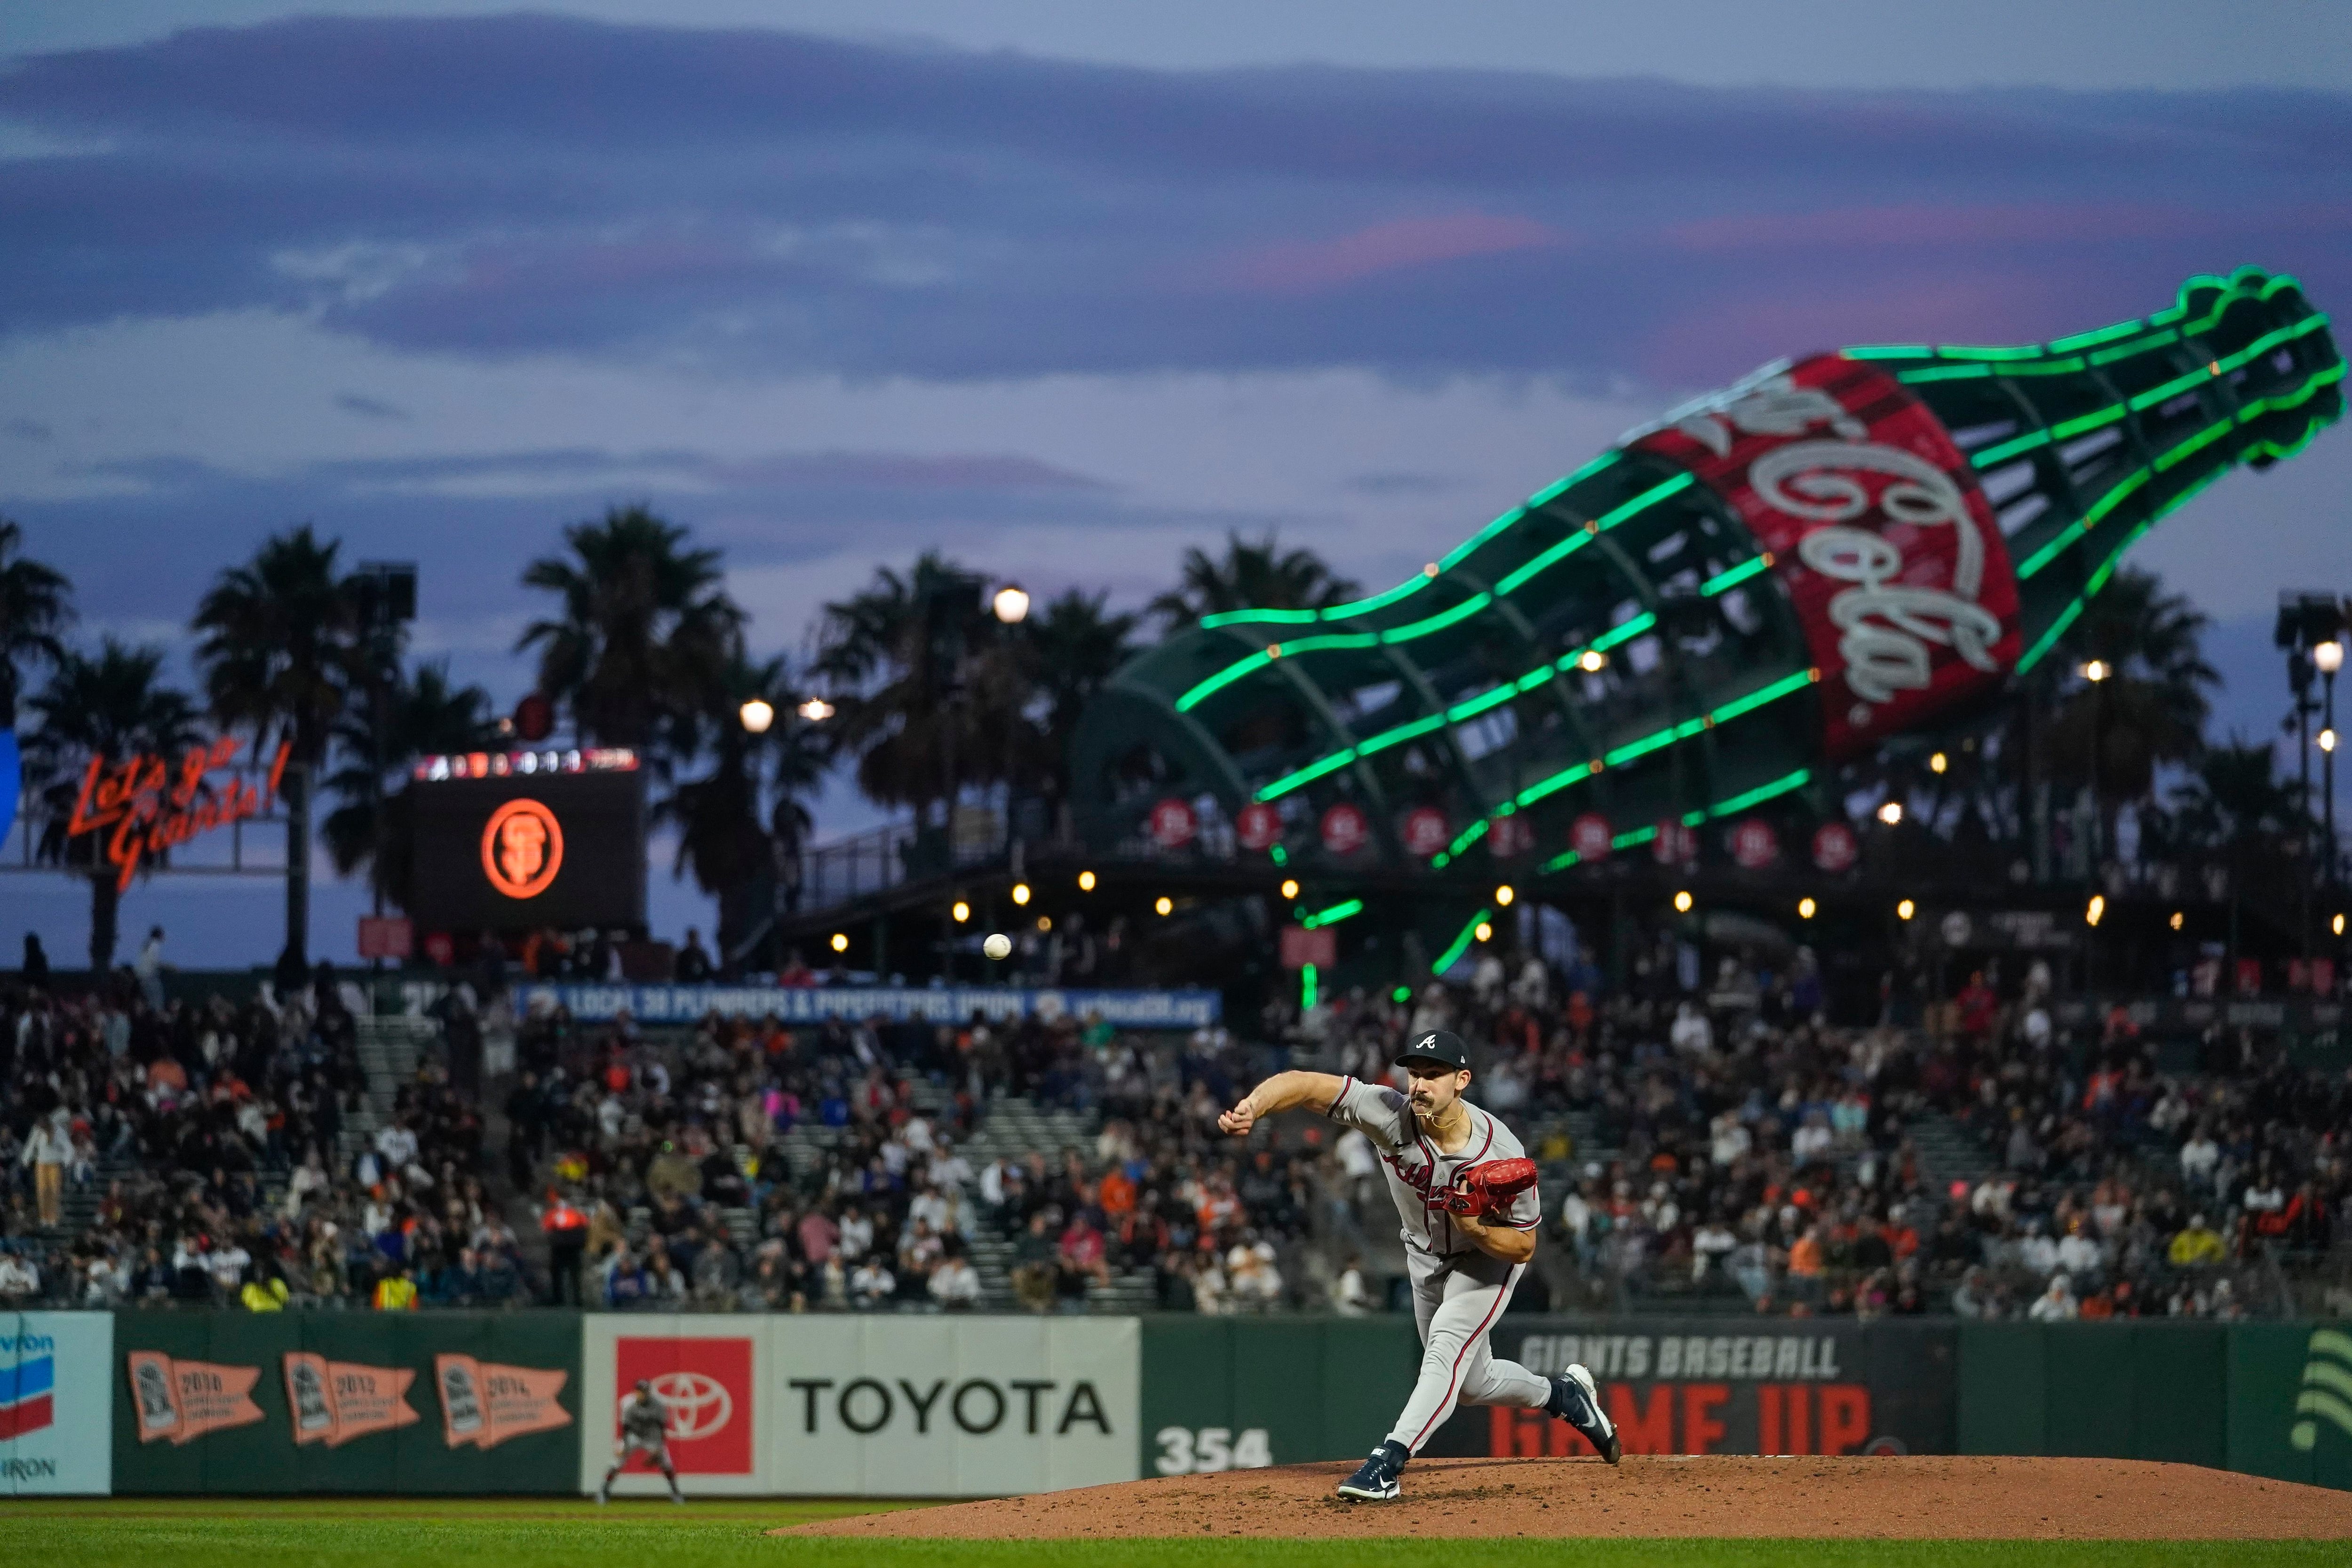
[48,1149]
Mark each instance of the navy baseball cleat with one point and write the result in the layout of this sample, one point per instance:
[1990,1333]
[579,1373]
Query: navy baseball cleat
[1576,1401]
[1375,1479]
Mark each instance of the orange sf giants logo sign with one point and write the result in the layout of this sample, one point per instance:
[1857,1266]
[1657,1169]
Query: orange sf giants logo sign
[522,848]
[151,805]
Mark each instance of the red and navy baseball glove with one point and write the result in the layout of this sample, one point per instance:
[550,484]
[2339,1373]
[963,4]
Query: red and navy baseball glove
[1487,1189]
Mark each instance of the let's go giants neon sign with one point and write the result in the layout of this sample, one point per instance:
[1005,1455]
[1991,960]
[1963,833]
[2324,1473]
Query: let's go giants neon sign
[151,805]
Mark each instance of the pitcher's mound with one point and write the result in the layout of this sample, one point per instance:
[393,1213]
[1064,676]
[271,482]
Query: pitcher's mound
[1917,1498]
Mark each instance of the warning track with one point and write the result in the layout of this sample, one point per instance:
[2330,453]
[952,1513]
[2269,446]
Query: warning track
[1919,1497]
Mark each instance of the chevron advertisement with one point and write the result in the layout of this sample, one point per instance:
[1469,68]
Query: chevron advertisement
[56,1422]
[870,1406]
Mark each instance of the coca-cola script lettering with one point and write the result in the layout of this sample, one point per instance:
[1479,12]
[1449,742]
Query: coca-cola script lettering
[1879,531]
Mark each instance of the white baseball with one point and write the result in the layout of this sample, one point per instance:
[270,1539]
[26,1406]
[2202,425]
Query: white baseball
[998,945]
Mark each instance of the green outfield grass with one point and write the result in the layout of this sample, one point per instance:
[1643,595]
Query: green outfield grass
[563,1534]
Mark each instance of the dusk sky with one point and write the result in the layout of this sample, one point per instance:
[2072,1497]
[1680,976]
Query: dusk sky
[1059,289]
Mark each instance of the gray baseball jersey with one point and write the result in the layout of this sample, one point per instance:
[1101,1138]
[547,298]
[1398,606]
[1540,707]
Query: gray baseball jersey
[645,1418]
[1419,1174]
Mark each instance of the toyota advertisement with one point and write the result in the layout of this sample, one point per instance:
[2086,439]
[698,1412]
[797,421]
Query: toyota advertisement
[886,1407]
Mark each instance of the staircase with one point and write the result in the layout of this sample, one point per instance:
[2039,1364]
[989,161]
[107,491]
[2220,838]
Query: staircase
[389,1049]
[1014,1126]
[1948,1152]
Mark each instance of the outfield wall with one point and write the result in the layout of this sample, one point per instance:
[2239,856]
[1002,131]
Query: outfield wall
[152,1403]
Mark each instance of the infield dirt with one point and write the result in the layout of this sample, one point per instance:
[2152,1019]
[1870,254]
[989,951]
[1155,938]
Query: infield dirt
[1910,1497]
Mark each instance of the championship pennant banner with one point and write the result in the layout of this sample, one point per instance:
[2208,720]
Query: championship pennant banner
[360,1402]
[1876,528]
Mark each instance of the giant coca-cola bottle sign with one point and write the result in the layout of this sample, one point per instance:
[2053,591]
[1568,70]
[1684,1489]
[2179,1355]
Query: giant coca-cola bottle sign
[1878,531]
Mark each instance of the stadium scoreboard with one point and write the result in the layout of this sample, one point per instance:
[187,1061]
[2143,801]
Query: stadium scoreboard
[516,840]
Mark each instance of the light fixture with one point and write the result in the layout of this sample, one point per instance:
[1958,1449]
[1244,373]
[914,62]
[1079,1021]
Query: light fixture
[1020,892]
[1805,908]
[2336,925]
[2096,670]
[1086,882]
[757,714]
[2179,916]
[2328,658]
[1484,931]
[1682,902]
[2098,907]
[1164,904]
[962,912]
[1938,762]
[2327,740]
[1289,888]
[1505,894]
[1012,604]
[816,709]
[1891,813]
[841,942]
[1904,910]
[1045,922]
[1592,662]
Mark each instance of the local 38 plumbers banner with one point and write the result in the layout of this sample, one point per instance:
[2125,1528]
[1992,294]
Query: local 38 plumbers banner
[56,1421]
[868,1406]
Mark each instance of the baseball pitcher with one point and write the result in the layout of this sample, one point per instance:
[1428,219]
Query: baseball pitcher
[644,1429]
[1466,1194]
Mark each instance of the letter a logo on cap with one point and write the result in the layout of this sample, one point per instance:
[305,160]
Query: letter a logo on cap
[1426,1041]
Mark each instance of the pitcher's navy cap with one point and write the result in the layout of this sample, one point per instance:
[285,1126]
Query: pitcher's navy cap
[1443,1047]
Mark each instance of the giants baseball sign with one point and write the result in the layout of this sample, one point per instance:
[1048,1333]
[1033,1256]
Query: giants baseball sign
[1877,528]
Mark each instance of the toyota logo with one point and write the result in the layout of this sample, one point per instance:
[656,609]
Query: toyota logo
[699,1406]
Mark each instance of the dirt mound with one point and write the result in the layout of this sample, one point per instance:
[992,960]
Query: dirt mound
[1918,1497]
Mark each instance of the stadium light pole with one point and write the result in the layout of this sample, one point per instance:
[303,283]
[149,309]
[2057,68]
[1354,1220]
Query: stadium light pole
[2329,656]
[1010,606]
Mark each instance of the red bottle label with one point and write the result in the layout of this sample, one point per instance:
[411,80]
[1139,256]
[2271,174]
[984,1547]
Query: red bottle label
[1878,530]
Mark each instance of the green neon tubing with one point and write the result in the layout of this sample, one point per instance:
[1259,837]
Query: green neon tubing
[2154,395]
[1460,711]
[1249,663]
[1333,915]
[1760,794]
[1415,584]
[1733,577]
[2233,289]
[1452,955]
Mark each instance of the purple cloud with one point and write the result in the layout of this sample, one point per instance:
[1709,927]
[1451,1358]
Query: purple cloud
[763,200]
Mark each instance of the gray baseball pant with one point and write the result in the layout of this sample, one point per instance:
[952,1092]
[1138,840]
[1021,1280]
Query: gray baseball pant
[1456,1301]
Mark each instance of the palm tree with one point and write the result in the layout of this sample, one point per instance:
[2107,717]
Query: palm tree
[425,713]
[1252,576]
[645,633]
[1074,649]
[2236,805]
[2150,707]
[278,646]
[104,708]
[930,685]
[36,608]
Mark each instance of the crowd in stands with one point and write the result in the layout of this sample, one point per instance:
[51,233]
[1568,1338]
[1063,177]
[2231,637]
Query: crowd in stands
[2121,1188]
[206,1145]
[1709,1139]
